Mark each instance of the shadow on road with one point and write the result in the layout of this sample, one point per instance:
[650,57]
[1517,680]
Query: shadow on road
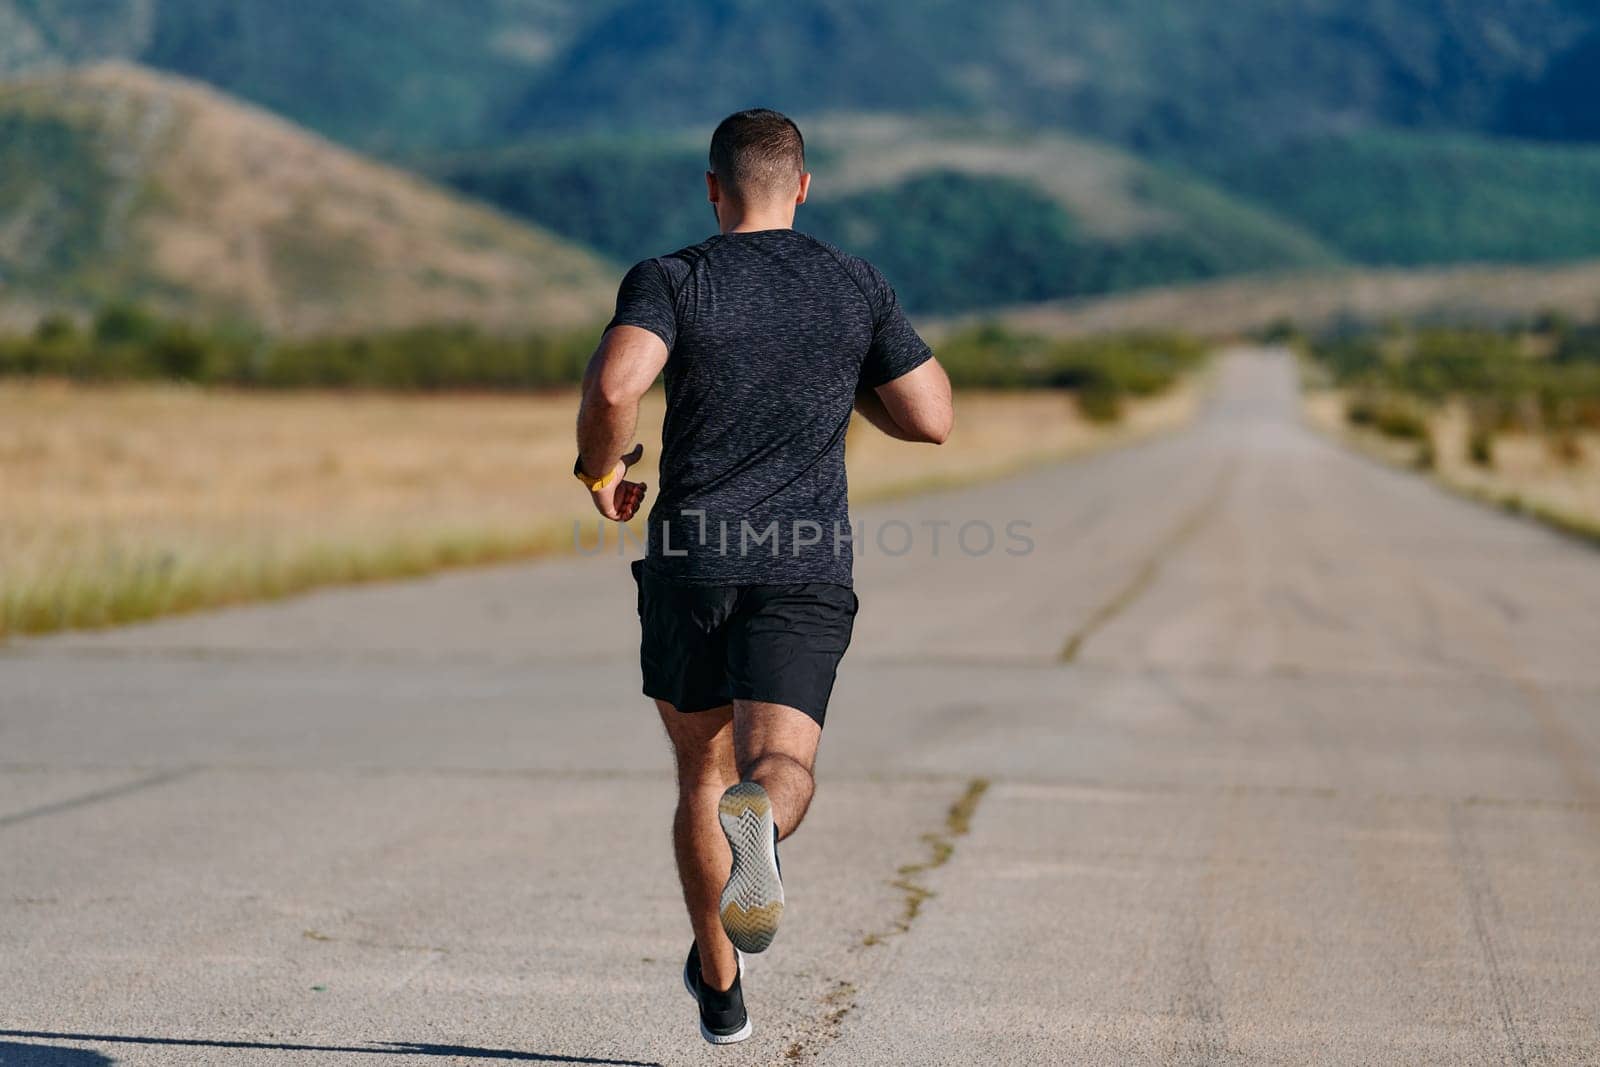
[15,1055]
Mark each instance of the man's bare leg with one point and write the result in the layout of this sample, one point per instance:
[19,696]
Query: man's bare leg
[776,747]
[702,744]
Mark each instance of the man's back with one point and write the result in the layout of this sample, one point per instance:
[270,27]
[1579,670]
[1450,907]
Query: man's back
[770,335]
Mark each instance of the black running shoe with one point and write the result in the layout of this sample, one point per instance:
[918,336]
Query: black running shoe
[752,901]
[723,1020]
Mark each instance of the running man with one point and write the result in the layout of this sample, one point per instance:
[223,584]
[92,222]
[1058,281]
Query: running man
[768,339]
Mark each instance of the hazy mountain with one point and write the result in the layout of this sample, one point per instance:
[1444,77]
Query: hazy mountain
[1156,75]
[116,182]
[1558,102]
[372,73]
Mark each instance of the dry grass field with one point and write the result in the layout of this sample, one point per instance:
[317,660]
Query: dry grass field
[1556,482]
[128,502]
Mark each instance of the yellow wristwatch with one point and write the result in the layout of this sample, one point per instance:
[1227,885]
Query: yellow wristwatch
[594,484]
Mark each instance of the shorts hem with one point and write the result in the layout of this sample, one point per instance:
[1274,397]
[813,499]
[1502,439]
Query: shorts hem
[772,698]
[694,707]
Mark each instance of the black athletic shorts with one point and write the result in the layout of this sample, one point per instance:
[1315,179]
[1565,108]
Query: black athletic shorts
[704,646]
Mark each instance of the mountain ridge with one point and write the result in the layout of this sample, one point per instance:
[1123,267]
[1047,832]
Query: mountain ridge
[1162,79]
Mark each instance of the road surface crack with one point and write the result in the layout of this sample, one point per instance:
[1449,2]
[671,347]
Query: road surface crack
[840,999]
[1148,571]
[941,845]
[99,795]
[1512,1000]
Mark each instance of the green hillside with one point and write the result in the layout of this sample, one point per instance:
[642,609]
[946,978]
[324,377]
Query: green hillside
[958,218]
[56,193]
[116,183]
[1407,199]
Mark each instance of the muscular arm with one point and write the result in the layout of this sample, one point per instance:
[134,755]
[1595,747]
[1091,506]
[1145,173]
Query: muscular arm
[619,374]
[870,407]
[913,407]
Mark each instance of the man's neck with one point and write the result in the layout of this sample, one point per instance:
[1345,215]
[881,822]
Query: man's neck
[735,221]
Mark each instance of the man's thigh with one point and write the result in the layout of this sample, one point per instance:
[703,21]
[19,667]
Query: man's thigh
[763,729]
[702,742]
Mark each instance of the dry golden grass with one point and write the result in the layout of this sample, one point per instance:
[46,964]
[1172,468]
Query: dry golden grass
[1529,472]
[130,502]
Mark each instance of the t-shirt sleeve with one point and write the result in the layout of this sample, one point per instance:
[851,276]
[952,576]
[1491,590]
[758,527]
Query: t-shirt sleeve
[645,299]
[896,349]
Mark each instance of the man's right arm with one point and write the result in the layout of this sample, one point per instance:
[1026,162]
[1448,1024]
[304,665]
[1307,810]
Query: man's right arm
[903,391]
[917,406]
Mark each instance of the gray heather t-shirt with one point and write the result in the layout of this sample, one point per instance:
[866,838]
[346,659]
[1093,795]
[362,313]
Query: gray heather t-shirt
[769,335]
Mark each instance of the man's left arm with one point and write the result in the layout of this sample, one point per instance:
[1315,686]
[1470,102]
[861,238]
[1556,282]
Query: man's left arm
[619,374]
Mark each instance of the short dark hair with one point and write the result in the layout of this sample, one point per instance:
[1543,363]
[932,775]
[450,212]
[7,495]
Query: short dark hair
[755,150]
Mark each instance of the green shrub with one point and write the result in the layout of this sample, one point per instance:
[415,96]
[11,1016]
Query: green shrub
[178,352]
[1401,424]
[125,324]
[989,355]
[1361,411]
[57,349]
[1540,376]
[129,343]
[1350,357]
[1102,370]
[1100,403]
[1388,416]
[1282,331]
[433,357]
[1480,448]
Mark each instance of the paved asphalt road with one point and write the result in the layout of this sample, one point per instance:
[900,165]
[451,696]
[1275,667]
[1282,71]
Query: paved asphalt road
[1289,759]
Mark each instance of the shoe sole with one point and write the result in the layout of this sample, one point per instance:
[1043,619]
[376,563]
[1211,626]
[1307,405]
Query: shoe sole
[715,1038]
[752,901]
[728,1039]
